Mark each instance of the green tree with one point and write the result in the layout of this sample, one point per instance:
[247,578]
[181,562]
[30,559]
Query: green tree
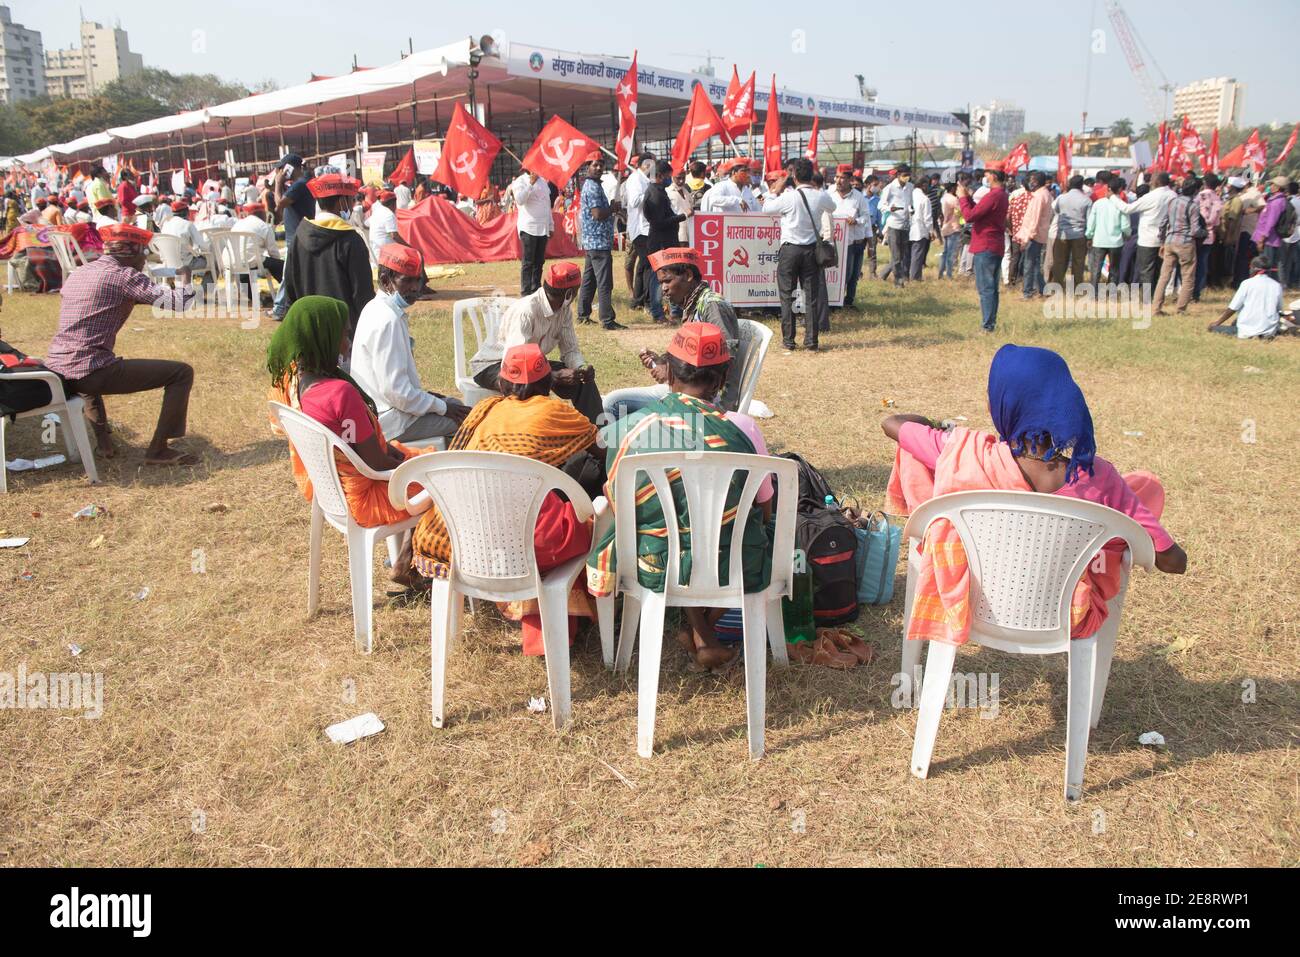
[1122,127]
[175,92]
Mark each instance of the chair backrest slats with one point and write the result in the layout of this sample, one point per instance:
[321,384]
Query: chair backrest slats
[760,337]
[315,446]
[484,317]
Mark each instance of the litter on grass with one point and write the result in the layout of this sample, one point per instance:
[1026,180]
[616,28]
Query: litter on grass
[26,465]
[13,542]
[354,729]
[537,705]
[91,511]
[1152,739]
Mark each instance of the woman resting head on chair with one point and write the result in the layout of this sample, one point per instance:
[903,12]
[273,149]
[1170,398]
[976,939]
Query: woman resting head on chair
[697,366]
[303,360]
[1044,443]
[527,420]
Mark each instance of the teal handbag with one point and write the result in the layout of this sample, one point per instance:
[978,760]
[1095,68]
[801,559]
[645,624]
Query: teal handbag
[877,559]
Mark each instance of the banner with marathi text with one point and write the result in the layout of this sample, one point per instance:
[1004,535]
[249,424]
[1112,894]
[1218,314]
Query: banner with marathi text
[739,253]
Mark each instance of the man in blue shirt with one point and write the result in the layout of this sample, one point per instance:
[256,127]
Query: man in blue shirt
[596,229]
[872,192]
[294,202]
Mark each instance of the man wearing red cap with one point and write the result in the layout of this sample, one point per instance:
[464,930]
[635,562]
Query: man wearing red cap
[383,222]
[727,195]
[596,226]
[105,212]
[328,257]
[97,300]
[252,220]
[545,318]
[679,271]
[383,356]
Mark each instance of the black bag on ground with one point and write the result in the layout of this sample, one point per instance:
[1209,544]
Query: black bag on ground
[829,546]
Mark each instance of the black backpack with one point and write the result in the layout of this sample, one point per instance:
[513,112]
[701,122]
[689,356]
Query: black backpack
[829,546]
[1286,221]
[20,395]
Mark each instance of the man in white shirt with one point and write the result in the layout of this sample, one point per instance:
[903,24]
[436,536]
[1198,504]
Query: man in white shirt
[545,318]
[403,194]
[920,233]
[253,221]
[383,222]
[805,214]
[532,198]
[1152,207]
[193,246]
[1257,304]
[638,228]
[896,211]
[851,204]
[105,213]
[143,218]
[383,356]
[162,214]
[727,195]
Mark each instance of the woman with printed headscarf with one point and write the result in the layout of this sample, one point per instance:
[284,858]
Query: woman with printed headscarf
[1043,443]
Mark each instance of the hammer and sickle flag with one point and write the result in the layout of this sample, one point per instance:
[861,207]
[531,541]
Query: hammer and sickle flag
[467,154]
[559,150]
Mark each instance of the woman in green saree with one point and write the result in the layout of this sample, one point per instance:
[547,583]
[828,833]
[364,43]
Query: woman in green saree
[685,419]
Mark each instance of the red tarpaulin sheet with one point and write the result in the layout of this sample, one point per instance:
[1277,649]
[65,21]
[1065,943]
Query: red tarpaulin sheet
[445,235]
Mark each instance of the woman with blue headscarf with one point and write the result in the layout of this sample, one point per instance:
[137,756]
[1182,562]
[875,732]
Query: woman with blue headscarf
[1044,443]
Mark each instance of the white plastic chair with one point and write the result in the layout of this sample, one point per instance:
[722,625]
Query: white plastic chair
[489,503]
[236,255]
[484,314]
[760,337]
[316,445]
[1026,551]
[71,412]
[68,251]
[168,250]
[705,476]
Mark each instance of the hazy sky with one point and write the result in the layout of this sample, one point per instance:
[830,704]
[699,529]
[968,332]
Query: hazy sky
[1039,64]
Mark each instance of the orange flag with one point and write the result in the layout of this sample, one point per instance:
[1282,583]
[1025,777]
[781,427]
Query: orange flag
[811,151]
[772,134]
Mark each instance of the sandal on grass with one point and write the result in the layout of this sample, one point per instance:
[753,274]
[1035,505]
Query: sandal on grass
[850,643]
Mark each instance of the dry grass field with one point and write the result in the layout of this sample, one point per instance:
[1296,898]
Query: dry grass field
[217,687]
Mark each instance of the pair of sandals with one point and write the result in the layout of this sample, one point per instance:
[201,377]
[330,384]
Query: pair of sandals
[833,648]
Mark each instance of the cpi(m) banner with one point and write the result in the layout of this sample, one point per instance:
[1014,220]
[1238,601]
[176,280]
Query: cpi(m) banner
[739,253]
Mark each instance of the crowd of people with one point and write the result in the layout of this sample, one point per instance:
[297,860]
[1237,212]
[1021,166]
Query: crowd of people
[343,352]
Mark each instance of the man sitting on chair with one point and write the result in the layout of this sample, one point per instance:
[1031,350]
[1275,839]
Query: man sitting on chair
[678,270]
[97,300]
[253,221]
[383,359]
[545,317]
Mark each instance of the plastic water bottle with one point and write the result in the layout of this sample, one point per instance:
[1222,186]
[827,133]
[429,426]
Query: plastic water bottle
[797,611]
[831,503]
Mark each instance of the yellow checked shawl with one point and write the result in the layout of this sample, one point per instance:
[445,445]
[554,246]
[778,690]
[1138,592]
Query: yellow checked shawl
[543,428]
[677,423]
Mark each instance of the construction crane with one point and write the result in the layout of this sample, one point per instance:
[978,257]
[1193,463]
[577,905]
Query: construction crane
[708,57]
[1128,38]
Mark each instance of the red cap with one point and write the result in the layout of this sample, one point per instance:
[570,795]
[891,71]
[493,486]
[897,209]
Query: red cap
[676,256]
[730,166]
[844,168]
[122,233]
[386,194]
[252,207]
[996,165]
[564,275]
[333,184]
[401,259]
[524,365]
[595,155]
[106,201]
[755,165]
[700,344]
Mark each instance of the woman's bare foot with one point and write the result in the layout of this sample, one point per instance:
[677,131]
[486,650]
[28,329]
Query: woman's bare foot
[686,638]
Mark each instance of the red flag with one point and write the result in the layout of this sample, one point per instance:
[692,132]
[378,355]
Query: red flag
[1064,159]
[1016,160]
[625,96]
[1254,154]
[1161,161]
[558,152]
[738,107]
[772,134]
[1286,150]
[467,154]
[1192,146]
[405,170]
[1211,163]
[701,123]
[811,151]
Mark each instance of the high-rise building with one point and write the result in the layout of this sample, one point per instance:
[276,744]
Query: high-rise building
[1210,103]
[998,124]
[22,64]
[103,56]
